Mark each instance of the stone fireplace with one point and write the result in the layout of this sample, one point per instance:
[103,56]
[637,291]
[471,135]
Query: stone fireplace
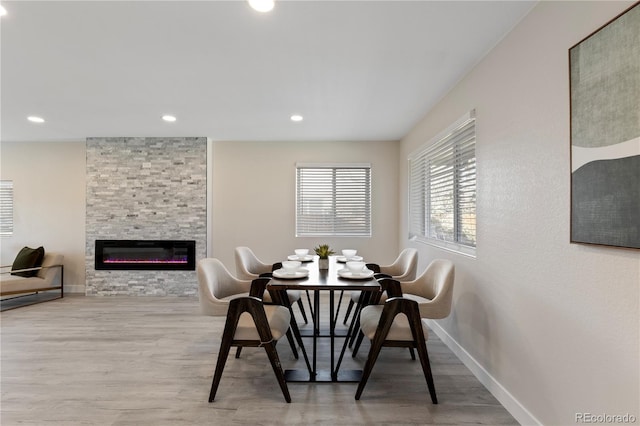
[149,190]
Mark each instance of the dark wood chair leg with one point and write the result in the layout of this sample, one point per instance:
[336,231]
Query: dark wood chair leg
[279,297]
[272,353]
[346,315]
[426,367]
[368,367]
[292,343]
[238,350]
[310,305]
[222,359]
[413,354]
[302,311]
[358,343]
[424,360]
[376,345]
[296,334]
[356,326]
[364,300]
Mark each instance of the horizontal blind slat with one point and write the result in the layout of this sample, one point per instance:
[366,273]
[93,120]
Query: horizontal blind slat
[6,207]
[442,186]
[333,201]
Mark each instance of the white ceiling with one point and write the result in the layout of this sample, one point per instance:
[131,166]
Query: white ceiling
[361,70]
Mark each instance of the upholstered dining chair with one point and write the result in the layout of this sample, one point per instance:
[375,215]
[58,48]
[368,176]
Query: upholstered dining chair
[397,323]
[402,269]
[249,267]
[432,291]
[217,288]
[252,323]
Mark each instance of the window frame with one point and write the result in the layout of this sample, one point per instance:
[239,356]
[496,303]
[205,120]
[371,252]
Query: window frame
[366,228]
[6,208]
[462,157]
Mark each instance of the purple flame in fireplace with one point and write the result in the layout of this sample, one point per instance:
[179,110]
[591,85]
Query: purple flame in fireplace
[178,259]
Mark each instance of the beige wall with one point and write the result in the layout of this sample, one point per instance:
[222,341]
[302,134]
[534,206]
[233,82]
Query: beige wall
[550,327]
[254,197]
[49,203]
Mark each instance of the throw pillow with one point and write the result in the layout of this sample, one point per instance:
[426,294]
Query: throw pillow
[28,258]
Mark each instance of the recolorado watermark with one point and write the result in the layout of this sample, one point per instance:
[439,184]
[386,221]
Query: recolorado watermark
[590,418]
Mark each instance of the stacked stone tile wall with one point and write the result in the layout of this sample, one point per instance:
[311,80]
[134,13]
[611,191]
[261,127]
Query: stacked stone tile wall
[145,189]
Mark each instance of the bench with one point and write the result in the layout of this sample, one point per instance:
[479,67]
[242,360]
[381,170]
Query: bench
[50,277]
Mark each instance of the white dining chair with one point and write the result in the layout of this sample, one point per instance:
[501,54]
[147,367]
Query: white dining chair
[249,267]
[251,323]
[217,288]
[402,269]
[396,323]
[432,291]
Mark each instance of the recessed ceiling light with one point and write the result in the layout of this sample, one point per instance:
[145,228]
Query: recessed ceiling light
[169,118]
[34,119]
[3,11]
[296,117]
[262,5]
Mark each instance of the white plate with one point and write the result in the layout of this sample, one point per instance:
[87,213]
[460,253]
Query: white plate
[307,258]
[364,275]
[343,259]
[282,274]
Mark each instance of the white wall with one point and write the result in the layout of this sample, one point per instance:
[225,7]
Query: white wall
[550,327]
[254,197]
[49,203]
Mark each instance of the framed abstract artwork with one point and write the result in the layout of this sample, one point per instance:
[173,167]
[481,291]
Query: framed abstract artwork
[605,134]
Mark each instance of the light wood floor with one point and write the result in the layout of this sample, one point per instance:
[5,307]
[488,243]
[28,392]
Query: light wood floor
[149,361]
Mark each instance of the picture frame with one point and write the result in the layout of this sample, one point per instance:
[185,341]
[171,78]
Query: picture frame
[604,73]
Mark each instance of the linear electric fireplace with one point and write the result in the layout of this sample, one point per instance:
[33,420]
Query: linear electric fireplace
[174,255]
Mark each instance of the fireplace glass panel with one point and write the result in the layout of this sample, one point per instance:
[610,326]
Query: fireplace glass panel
[145,254]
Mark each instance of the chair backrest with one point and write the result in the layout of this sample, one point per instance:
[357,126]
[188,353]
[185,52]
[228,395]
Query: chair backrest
[248,266]
[435,284]
[47,273]
[215,283]
[404,267]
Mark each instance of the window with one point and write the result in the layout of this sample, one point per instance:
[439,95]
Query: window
[6,207]
[333,200]
[442,188]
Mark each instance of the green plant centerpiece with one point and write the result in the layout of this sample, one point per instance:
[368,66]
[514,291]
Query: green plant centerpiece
[323,251]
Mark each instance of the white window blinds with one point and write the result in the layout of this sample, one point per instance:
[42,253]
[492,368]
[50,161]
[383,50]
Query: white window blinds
[333,200]
[6,207]
[442,187]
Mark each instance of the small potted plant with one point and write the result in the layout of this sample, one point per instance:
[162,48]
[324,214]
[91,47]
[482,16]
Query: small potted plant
[323,251]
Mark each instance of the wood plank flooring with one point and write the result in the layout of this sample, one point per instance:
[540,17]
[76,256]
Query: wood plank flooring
[150,360]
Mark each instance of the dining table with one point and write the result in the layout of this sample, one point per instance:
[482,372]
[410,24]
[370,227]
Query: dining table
[336,278]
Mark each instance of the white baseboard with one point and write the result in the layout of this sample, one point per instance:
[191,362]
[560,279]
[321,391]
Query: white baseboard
[510,403]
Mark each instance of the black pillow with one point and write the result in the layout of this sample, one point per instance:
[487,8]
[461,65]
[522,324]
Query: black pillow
[28,258]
